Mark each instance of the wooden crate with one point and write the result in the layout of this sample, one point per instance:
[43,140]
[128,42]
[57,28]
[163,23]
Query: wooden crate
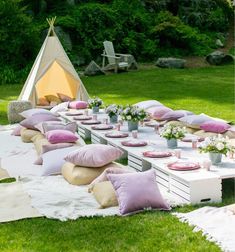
[138,163]
[97,139]
[84,133]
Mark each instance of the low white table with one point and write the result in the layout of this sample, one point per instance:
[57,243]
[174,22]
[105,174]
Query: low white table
[190,186]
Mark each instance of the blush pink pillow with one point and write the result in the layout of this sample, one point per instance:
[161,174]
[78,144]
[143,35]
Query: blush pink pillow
[103,175]
[60,136]
[16,131]
[158,112]
[94,155]
[137,191]
[78,105]
[215,126]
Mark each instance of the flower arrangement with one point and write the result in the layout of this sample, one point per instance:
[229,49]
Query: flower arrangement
[216,144]
[95,102]
[171,131]
[133,113]
[113,110]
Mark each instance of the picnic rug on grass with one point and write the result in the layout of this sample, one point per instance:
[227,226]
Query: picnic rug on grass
[217,224]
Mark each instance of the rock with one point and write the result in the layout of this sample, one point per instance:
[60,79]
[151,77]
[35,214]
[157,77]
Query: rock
[16,107]
[171,63]
[219,43]
[219,58]
[93,69]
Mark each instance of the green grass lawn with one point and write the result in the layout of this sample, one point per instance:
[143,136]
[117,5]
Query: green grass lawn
[208,90]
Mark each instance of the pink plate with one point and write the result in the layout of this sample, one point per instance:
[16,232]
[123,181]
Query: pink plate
[183,166]
[82,118]
[102,127]
[76,113]
[116,135]
[134,143]
[190,139]
[91,122]
[157,154]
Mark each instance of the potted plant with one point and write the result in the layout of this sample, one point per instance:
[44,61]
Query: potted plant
[95,104]
[133,114]
[216,146]
[172,132]
[113,112]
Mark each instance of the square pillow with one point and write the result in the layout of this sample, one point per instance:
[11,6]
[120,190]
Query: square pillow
[148,104]
[78,105]
[176,114]
[215,126]
[194,121]
[105,195]
[158,112]
[53,98]
[42,101]
[103,177]
[54,125]
[60,108]
[33,120]
[94,155]
[137,191]
[28,134]
[60,136]
[54,160]
[30,112]
[64,98]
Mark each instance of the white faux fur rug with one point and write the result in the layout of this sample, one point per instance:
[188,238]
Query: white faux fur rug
[217,224]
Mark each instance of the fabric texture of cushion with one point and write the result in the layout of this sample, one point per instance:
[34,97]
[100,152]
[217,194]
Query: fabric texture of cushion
[204,134]
[158,112]
[43,102]
[105,195]
[103,177]
[54,160]
[47,126]
[230,133]
[61,136]
[214,126]
[64,98]
[148,104]
[28,134]
[30,122]
[16,131]
[60,108]
[194,121]
[78,105]
[94,155]
[175,123]
[30,112]
[80,175]
[176,114]
[38,142]
[53,98]
[137,191]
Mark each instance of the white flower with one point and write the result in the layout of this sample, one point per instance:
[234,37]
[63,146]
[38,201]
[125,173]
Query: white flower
[128,118]
[220,146]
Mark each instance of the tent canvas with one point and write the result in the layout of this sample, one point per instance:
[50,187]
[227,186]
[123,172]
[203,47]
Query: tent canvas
[52,72]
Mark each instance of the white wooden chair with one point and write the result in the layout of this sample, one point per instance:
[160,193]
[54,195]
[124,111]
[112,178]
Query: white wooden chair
[116,61]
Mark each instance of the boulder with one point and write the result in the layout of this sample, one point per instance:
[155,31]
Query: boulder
[16,107]
[219,58]
[93,69]
[171,63]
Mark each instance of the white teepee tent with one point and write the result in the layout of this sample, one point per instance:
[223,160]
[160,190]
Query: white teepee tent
[52,72]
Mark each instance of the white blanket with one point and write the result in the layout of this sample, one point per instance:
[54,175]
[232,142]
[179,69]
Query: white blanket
[217,224]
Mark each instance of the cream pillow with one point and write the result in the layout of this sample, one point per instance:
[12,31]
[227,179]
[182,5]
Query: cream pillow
[202,133]
[39,142]
[176,123]
[78,175]
[105,195]
[28,134]
[191,130]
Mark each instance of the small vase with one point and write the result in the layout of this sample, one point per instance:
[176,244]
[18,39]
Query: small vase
[215,157]
[172,143]
[132,125]
[113,119]
[95,109]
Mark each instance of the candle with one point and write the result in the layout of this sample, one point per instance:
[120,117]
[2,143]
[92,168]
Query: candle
[178,153]
[86,112]
[194,143]
[118,126]
[94,117]
[206,164]
[134,133]
[105,120]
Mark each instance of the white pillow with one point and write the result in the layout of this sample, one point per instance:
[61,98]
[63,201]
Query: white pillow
[148,104]
[28,113]
[194,121]
[60,108]
[54,160]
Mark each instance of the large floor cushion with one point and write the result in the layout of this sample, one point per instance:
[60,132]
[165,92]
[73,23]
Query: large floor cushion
[28,134]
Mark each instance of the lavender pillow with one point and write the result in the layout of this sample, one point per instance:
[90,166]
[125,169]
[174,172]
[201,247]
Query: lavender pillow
[61,136]
[47,126]
[158,112]
[194,121]
[30,122]
[78,105]
[174,115]
[148,104]
[60,108]
[94,155]
[54,160]
[137,191]
[215,126]
[30,112]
